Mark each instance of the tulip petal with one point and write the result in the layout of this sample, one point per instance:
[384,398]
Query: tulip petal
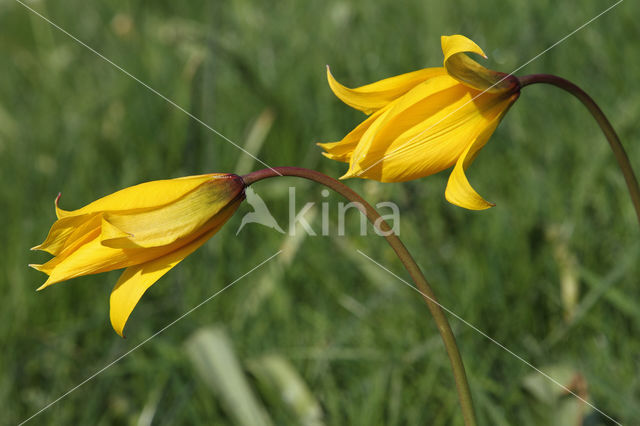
[89,256]
[135,280]
[452,45]
[60,232]
[147,195]
[459,191]
[342,150]
[75,260]
[82,235]
[339,151]
[164,225]
[374,96]
[358,157]
[109,232]
[469,72]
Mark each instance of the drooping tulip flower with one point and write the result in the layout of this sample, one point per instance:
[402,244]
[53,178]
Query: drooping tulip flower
[425,121]
[147,229]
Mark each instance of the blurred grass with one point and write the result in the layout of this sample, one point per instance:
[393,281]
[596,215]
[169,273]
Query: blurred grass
[364,344]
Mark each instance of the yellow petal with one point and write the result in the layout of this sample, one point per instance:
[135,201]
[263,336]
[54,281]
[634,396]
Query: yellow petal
[374,96]
[467,71]
[82,235]
[166,224]
[37,267]
[358,157]
[60,232]
[459,191]
[452,45]
[342,150]
[147,195]
[135,280]
[339,151]
[110,232]
[92,257]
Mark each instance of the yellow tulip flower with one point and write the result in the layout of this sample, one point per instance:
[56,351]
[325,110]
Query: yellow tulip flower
[426,121]
[147,228]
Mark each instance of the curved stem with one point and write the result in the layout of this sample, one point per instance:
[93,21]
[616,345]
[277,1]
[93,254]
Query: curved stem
[407,260]
[603,122]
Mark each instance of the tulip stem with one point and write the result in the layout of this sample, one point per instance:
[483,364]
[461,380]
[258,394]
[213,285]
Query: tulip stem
[603,122]
[407,260]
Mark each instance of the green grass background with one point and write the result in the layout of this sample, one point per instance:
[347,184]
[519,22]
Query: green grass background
[364,344]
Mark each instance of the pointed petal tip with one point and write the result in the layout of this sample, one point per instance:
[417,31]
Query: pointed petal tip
[56,202]
[60,213]
[459,191]
[119,332]
[350,174]
[48,282]
[487,206]
[476,204]
[118,326]
[326,154]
